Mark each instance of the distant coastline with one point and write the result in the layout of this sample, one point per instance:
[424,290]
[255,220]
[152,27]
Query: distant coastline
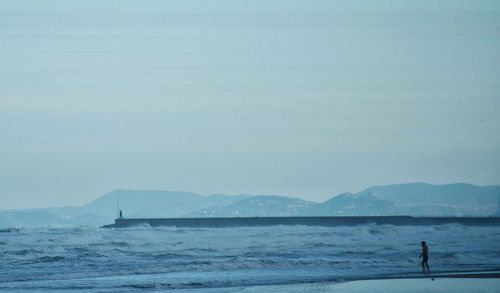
[412,199]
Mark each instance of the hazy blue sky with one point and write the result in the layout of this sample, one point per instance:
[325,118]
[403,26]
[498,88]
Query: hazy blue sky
[303,98]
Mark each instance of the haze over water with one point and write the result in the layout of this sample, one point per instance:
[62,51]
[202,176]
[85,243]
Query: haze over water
[307,99]
[263,97]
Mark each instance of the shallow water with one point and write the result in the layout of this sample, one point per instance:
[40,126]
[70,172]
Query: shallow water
[175,258]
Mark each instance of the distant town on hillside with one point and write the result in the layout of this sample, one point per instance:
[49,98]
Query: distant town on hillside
[415,199]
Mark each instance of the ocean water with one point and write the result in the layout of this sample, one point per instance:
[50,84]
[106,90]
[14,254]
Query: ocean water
[150,259]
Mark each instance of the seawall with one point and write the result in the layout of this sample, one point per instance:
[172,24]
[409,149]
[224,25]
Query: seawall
[307,221]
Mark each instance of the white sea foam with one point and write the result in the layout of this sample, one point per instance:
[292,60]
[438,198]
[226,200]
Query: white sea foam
[101,259]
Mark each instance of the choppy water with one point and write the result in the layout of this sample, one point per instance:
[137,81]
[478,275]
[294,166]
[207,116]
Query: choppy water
[175,258]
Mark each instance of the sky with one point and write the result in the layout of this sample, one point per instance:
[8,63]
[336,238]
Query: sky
[300,98]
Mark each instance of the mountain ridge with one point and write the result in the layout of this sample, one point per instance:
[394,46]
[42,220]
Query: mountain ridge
[415,199]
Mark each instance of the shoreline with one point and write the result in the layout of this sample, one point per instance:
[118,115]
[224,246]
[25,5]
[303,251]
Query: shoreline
[433,283]
[479,274]
[449,282]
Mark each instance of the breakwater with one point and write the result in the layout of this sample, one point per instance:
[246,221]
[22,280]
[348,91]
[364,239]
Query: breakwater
[307,221]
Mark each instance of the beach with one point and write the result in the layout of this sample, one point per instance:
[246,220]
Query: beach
[407,285]
[460,282]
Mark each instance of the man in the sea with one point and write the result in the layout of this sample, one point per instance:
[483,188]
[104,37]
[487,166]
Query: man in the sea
[425,257]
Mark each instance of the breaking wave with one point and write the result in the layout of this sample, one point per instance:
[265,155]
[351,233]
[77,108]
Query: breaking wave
[175,258]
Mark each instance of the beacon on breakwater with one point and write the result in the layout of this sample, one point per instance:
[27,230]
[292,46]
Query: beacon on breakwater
[307,221]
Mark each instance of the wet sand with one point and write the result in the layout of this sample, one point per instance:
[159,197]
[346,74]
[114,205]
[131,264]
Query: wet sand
[449,282]
[460,282]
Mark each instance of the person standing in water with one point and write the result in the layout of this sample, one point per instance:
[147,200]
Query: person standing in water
[425,257]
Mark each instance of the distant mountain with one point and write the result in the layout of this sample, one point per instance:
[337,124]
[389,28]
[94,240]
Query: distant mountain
[259,206]
[348,204]
[457,194]
[220,200]
[497,214]
[134,203]
[416,199]
[145,203]
[148,203]
[424,199]
[40,218]
[27,219]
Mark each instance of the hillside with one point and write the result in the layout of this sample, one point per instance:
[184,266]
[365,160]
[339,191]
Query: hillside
[416,199]
[259,206]
[348,204]
[457,194]
[145,203]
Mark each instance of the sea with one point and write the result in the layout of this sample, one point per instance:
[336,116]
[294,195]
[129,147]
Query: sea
[145,259]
